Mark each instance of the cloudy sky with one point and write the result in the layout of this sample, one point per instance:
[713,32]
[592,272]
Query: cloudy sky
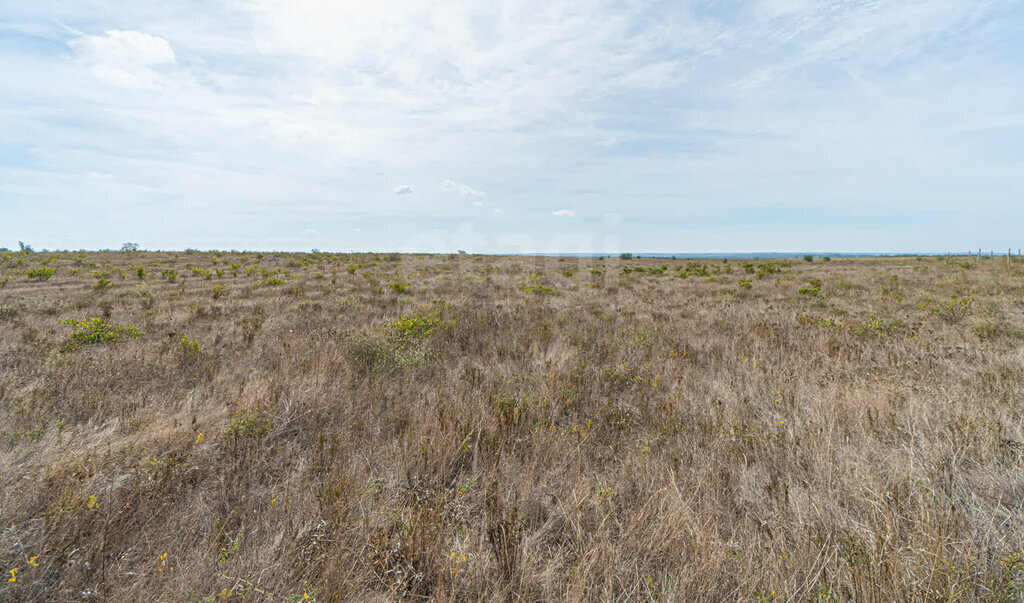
[705,125]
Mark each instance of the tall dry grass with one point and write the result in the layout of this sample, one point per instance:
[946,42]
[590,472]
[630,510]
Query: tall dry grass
[511,428]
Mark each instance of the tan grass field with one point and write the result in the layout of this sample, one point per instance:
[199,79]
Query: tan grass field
[366,427]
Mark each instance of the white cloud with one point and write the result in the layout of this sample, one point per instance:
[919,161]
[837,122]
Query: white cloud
[301,109]
[403,189]
[124,57]
[462,189]
[563,213]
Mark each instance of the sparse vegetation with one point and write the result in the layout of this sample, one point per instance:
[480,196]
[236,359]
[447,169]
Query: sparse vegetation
[502,430]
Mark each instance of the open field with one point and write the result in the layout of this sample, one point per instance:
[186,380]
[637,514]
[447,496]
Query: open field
[458,427]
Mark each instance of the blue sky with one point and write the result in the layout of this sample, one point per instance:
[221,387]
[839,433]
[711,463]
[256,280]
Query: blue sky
[769,125]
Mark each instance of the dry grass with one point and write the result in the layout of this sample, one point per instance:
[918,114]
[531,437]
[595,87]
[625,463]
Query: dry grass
[457,427]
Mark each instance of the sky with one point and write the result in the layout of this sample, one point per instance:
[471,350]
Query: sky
[513,126]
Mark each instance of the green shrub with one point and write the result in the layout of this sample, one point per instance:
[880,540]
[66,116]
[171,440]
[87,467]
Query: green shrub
[3,281]
[877,326]
[190,347]
[813,288]
[272,281]
[217,291]
[819,321]
[539,289]
[94,330]
[510,408]
[693,270]
[892,289]
[401,288]
[763,270]
[745,283]
[958,308]
[808,258]
[399,344]
[249,424]
[140,272]
[415,327]
[103,283]
[41,273]
[988,329]
[170,274]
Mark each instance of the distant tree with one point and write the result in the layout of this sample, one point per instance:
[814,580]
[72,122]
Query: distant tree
[130,247]
[808,258]
[625,256]
[25,247]
[826,259]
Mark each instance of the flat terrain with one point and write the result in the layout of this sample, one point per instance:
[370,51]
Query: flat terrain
[342,427]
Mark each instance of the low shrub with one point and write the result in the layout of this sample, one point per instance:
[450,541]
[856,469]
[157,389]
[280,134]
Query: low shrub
[95,330]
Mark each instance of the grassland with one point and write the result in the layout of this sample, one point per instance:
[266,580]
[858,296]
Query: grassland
[208,426]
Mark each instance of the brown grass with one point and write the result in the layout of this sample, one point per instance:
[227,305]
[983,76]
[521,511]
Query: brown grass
[532,431]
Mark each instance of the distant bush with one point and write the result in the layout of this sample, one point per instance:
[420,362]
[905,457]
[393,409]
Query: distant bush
[693,270]
[763,270]
[625,256]
[808,258]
